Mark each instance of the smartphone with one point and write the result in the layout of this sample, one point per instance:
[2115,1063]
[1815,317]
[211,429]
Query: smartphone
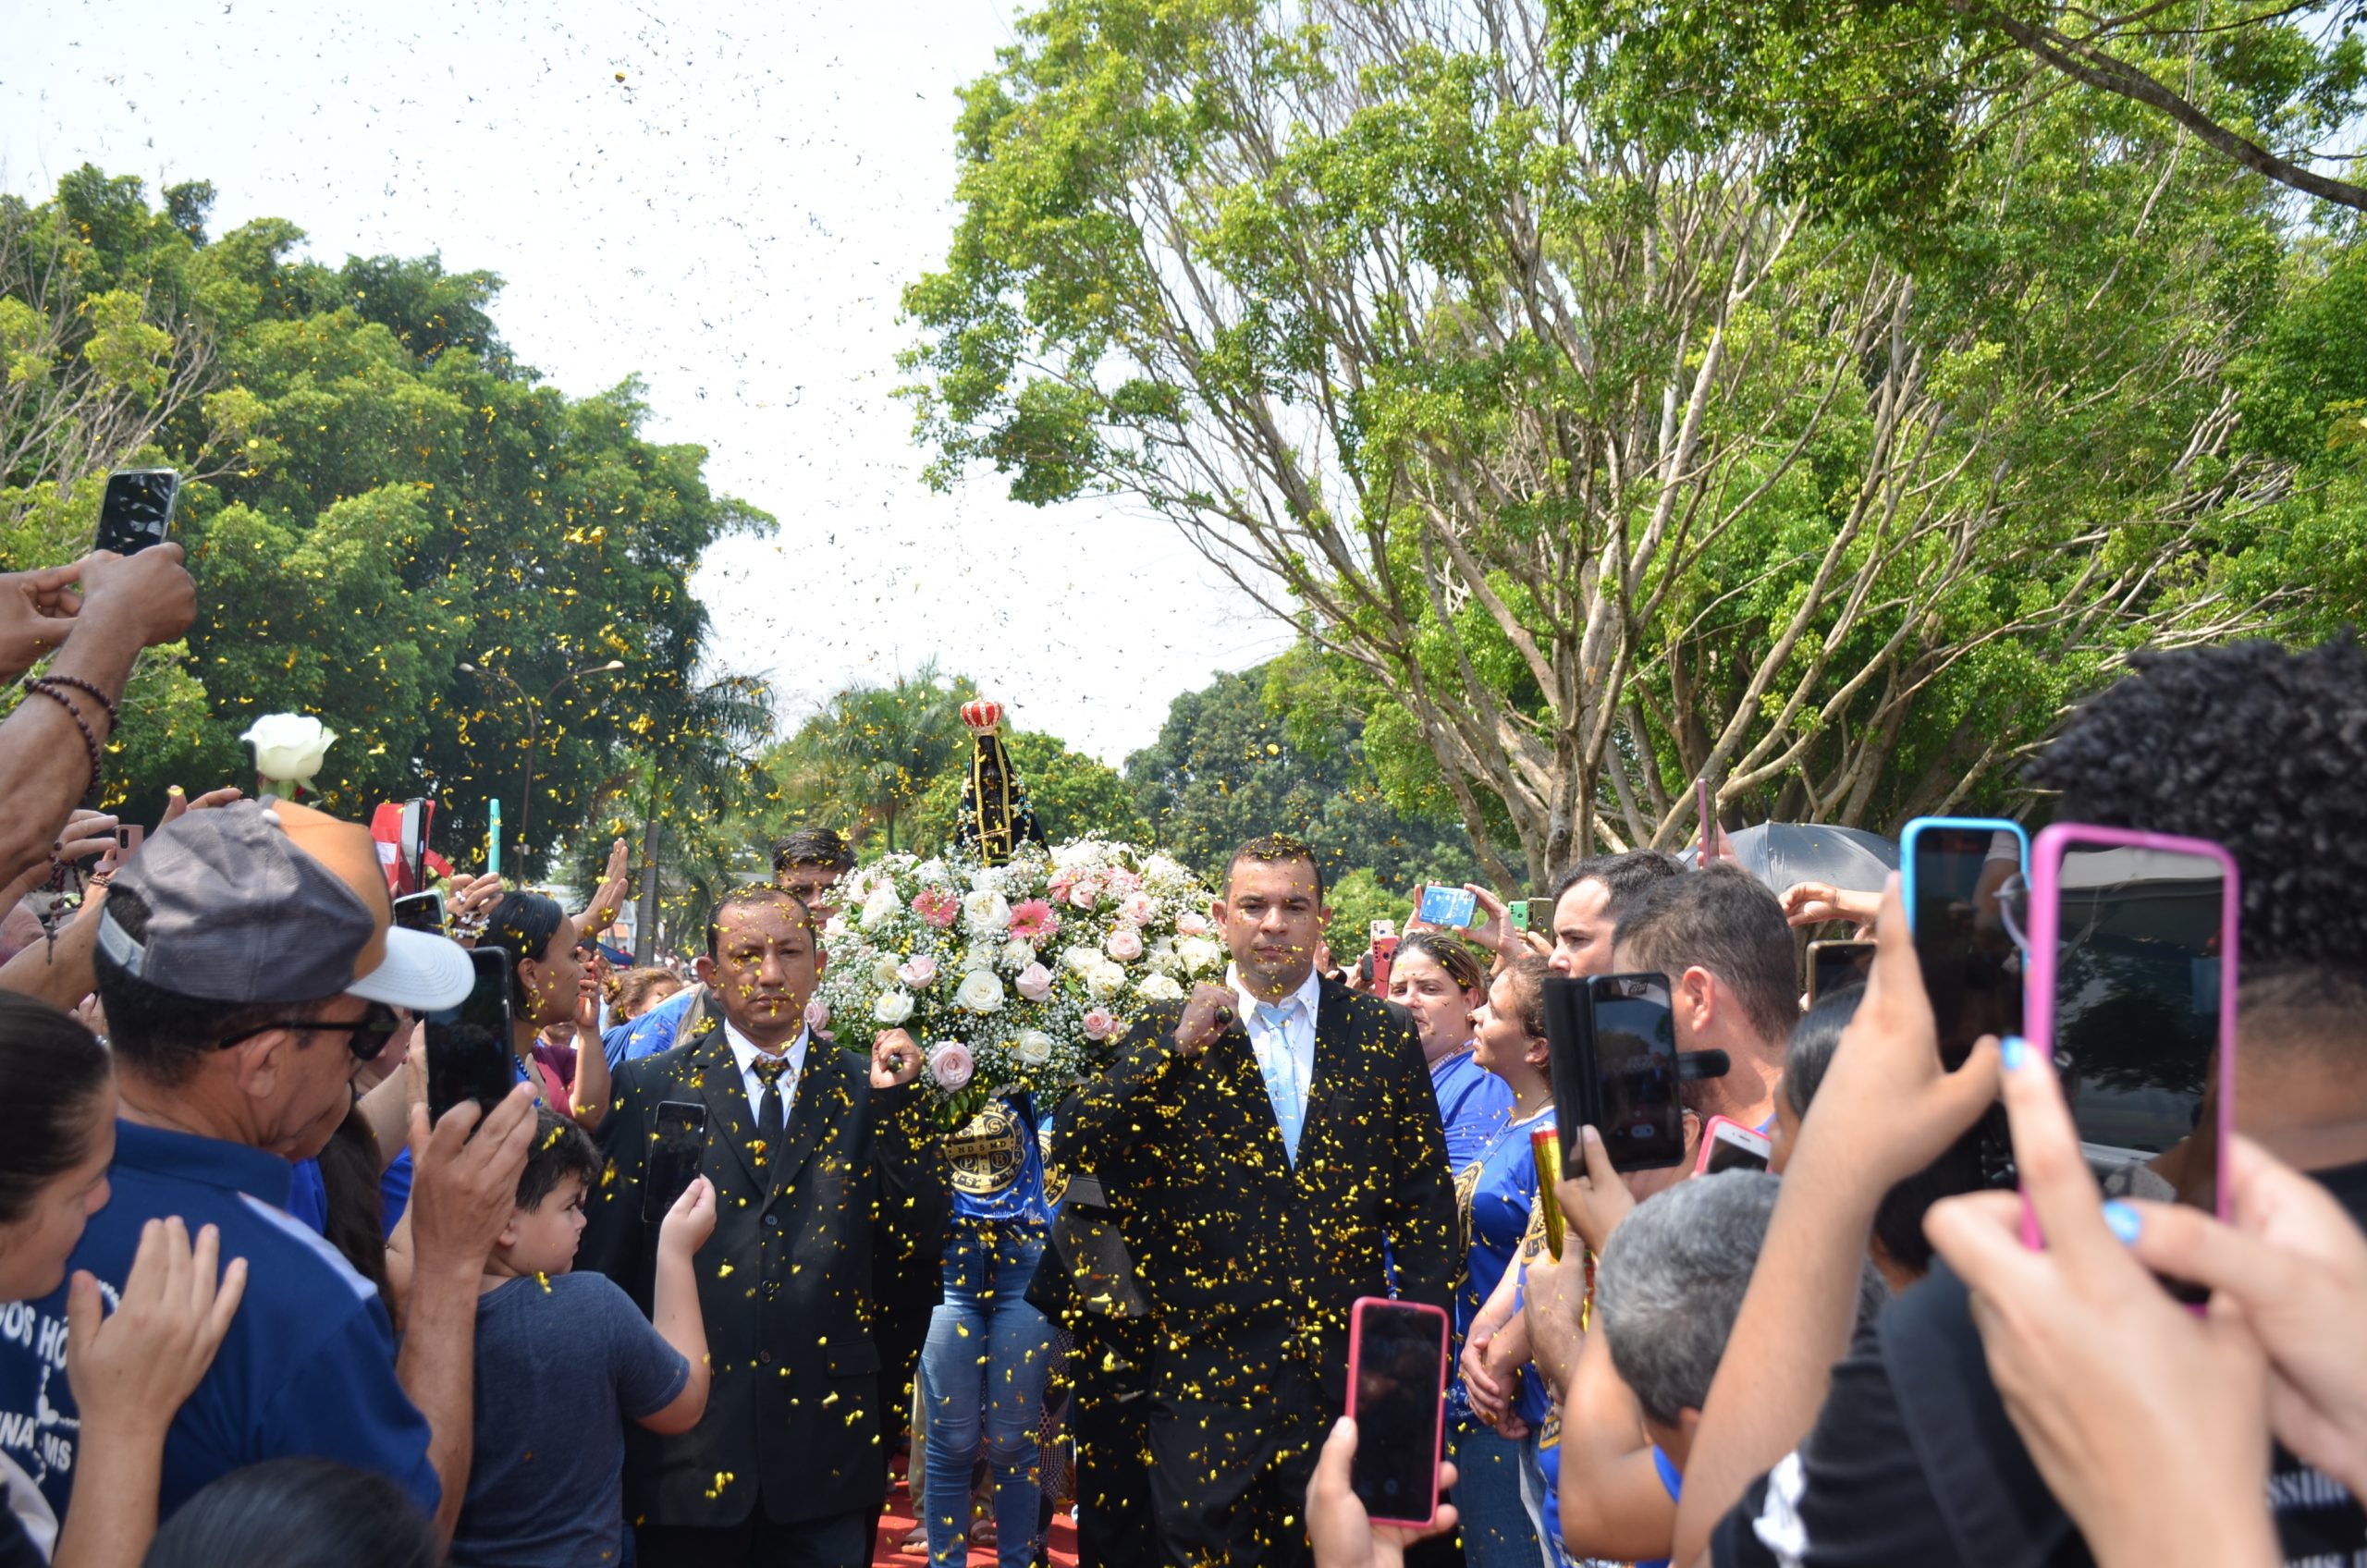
[1517,912]
[1397,1396]
[1727,1145]
[127,841]
[420,911]
[1612,1050]
[673,1156]
[1952,871]
[469,1054]
[410,843]
[2132,991]
[492,836]
[1451,907]
[1836,966]
[1384,953]
[138,510]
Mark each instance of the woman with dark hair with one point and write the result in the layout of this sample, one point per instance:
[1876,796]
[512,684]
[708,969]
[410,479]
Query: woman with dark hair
[297,1513]
[130,1369]
[548,988]
[1438,979]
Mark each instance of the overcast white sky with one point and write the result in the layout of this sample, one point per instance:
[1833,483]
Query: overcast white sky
[734,222]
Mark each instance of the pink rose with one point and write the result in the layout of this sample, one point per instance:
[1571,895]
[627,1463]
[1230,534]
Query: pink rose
[1122,882]
[1031,919]
[1125,944]
[1034,983]
[1140,909]
[950,1064]
[939,906]
[1062,882]
[917,970]
[1084,893]
[817,1015]
[1100,1024]
[1193,925]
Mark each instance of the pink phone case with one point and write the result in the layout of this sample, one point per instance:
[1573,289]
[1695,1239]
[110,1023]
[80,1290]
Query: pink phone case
[2046,936]
[1710,1140]
[1355,1360]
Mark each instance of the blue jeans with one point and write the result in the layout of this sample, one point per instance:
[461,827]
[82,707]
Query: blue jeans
[1497,1492]
[984,1367]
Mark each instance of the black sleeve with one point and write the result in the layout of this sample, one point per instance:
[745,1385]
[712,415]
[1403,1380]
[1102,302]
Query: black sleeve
[1101,1122]
[613,1233]
[914,1198]
[1854,1492]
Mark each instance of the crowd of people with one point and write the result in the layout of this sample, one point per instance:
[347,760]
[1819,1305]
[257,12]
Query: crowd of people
[257,1305]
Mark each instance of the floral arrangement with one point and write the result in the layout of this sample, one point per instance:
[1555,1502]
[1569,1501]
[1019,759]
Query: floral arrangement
[1014,977]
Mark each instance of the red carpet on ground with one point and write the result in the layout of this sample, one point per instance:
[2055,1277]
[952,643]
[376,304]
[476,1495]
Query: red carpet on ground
[900,1525]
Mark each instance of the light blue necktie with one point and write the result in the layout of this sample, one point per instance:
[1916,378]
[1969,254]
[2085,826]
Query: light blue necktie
[1281,1078]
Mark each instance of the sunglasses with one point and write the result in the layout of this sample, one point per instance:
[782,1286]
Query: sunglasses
[365,1037]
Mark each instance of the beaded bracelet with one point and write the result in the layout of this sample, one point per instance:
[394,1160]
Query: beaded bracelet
[115,719]
[89,739]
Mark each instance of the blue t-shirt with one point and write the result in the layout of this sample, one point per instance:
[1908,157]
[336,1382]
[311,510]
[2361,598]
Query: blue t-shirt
[1473,1105]
[1497,1194]
[562,1366]
[307,1367]
[308,1195]
[999,1144]
[653,1032]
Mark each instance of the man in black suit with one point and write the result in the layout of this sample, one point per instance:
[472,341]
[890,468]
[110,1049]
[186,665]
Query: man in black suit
[821,1173]
[1268,1147]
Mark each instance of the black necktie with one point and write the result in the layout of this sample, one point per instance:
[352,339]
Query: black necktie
[769,1119]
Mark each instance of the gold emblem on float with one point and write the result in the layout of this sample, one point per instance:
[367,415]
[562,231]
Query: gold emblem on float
[986,1153]
[1056,1181]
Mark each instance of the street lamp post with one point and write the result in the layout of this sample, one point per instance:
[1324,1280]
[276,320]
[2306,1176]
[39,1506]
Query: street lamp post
[534,731]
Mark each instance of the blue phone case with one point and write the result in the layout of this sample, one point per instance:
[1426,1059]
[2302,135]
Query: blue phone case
[1915,830]
[1448,906]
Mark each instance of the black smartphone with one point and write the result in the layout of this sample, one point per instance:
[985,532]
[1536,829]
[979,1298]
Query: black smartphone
[1396,1393]
[1837,965]
[673,1156]
[469,1054]
[1611,1051]
[138,510]
[1972,970]
[420,911]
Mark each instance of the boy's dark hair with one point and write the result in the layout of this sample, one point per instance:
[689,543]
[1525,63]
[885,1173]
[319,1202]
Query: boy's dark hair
[813,846]
[1627,877]
[2252,744]
[561,1149]
[162,1035]
[297,1512]
[754,893]
[1268,847]
[1724,921]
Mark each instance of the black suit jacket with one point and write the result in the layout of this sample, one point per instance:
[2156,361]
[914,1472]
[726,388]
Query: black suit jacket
[787,1284]
[1249,1264]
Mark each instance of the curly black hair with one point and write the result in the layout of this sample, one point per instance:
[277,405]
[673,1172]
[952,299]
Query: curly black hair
[2258,746]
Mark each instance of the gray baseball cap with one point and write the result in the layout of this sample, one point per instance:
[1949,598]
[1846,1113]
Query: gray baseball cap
[271,901]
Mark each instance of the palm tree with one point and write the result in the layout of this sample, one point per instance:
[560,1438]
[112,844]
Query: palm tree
[874,751]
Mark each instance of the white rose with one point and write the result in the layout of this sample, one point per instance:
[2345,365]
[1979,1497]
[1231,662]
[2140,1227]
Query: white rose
[986,911]
[882,906]
[977,956]
[991,880]
[1198,953]
[1080,959]
[289,747]
[883,970]
[892,1008]
[1105,979]
[1164,958]
[1159,988]
[1017,956]
[1161,868]
[835,927]
[979,991]
[1034,1048]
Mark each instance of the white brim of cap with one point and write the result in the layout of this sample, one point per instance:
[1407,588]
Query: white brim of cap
[422,970]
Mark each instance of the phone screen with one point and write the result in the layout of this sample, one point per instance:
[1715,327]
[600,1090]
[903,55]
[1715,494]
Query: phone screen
[1971,967]
[2137,983]
[469,1055]
[1726,1154]
[1836,966]
[420,911]
[673,1156]
[138,510]
[1635,1061]
[1394,1394]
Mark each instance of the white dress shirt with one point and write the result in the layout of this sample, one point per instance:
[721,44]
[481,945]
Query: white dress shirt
[746,1052]
[1294,1041]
